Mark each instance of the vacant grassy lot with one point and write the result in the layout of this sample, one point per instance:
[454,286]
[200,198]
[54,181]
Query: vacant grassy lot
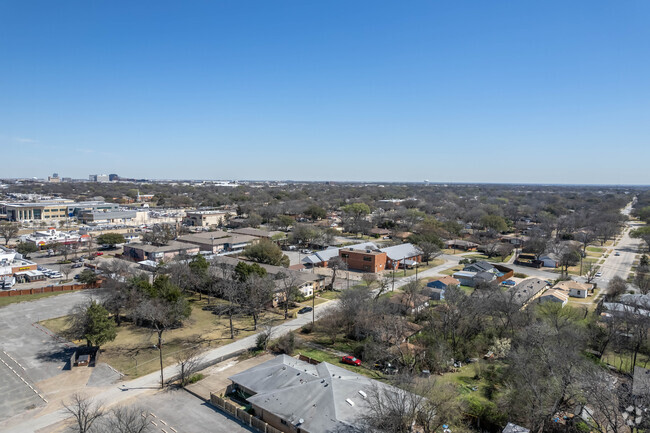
[134,354]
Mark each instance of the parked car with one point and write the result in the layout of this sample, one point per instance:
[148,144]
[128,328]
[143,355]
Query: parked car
[78,265]
[304,310]
[99,253]
[599,274]
[617,253]
[351,360]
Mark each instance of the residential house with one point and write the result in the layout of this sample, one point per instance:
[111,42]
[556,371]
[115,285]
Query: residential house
[527,291]
[295,396]
[409,304]
[458,244]
[554,295]
[574,288]
[483,268]
[550,260]
[380,233]
[306,282]
[443,282]
[465,278]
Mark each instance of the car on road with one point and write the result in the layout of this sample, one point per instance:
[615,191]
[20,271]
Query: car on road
[599,274]
[99,253]
[351,360]
[304,310]
[78,265]
[617,253]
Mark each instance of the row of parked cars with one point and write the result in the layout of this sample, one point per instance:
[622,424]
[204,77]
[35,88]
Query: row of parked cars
[49,272]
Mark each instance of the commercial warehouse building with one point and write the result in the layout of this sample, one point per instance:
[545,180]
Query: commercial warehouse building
[53,209]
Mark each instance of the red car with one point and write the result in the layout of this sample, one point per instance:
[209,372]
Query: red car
[351,360]
[99,254]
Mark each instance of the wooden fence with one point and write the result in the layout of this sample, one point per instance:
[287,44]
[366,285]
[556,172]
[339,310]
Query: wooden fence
[241,415]
[48,289]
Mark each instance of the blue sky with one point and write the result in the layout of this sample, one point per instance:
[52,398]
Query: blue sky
[458,91]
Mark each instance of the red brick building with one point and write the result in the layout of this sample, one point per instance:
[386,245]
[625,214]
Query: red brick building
[363,260]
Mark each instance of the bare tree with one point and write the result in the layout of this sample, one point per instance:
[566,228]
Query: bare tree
[9,230]
[336,264]
[258,294]
[369,279]
[590,271]
[616,287]
[85,412]
[189,362]
[163,313]
[288,289]
[129,419]
[65,270]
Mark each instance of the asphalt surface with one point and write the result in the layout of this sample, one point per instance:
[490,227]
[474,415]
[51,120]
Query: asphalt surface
[196,415]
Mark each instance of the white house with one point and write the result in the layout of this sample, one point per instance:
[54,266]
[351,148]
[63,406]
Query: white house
[574,288]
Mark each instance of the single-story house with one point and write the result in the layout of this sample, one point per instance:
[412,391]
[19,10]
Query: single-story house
[574,288]
[306,282]
[435,294]
[465,278]
[483,268]
[458,244]
[550,260]
[553,295]
[527,291]
[380,233]
[443,282]
[409,305]
[295,396]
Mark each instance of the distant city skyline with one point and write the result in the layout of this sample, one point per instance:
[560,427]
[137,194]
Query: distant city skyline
[464,92]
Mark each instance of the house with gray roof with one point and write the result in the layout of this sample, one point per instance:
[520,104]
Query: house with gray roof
[402,255]
[295,396]
[527,291]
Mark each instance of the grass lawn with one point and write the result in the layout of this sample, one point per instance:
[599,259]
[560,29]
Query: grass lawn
[328,294]
[324,356]
[467,289]
[26,298]
[595,250]
[623,361]
[133,352]
[453,270]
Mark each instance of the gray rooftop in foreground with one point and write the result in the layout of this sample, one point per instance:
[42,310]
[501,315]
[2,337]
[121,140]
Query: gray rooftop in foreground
[325,397]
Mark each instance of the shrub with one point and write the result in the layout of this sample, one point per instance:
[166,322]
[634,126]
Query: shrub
[195,378]
[285,344]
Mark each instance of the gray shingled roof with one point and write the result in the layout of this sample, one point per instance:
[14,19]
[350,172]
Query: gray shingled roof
[399,252]
[514,428]
[318,395]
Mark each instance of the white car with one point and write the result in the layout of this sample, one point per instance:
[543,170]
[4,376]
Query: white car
[599,274]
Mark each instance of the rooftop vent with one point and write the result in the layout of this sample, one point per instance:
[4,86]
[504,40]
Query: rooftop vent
[363,394]
[350,402]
